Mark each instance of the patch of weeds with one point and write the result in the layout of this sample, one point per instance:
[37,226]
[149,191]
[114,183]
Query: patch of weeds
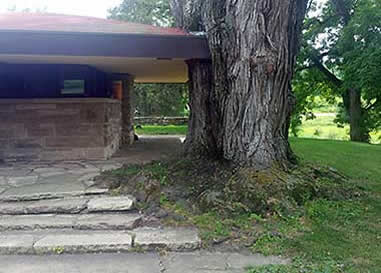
[156,170]
[324,211]
[159,171]
[115,192]
[277,232]
[137,249]
[126,171]
[268,244]
[212,226]
[59,250]
[163,199]
[300,266]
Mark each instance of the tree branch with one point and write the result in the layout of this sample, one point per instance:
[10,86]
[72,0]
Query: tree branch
[304,67]
[370,106]
[331,77]
[342,10]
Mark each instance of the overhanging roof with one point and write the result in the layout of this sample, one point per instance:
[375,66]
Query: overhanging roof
[71,23]
[151,54]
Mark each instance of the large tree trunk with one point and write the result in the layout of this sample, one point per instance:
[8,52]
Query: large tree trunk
[253,45]
[203,126]
[357,116]
[352,97]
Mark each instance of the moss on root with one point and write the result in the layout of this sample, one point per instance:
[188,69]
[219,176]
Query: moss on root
[206,186]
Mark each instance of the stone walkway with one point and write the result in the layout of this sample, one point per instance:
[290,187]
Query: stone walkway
[197,262]
[34,181]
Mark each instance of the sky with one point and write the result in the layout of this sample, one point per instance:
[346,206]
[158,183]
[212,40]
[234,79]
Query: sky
[94,8]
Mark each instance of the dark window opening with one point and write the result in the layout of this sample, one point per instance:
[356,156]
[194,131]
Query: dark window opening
[73,87]
[52,81]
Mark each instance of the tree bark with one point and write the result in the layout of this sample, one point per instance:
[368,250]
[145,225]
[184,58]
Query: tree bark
[357,116]
[203,126]
[187,14]
[253,46]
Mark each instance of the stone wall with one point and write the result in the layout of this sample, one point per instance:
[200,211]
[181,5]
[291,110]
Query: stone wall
[59,129]
[161,121]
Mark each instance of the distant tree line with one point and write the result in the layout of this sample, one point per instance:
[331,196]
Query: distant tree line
[341,57]
[170,100]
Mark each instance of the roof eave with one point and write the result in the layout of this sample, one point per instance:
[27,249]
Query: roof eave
[95,33]
[103,44]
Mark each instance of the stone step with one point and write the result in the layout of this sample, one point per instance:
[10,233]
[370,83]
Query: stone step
[78,222]
[69,205]
[30,193]
[117,203]
[170,262]
[55,206]
[175,239]
[82,263]
[71,241]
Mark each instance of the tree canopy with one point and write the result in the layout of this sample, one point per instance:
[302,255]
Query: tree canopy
[341,57]
[152,12]
[161,100]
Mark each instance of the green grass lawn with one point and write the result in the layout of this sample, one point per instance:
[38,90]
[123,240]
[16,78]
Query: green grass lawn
[322,127]
[357,160]
[333,236]
[162,130]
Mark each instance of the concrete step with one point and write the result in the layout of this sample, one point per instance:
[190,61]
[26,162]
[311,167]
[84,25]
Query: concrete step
[72,241]
[77,221]
[69,205]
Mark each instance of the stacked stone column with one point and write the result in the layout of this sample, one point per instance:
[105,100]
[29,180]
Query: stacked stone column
[128,111]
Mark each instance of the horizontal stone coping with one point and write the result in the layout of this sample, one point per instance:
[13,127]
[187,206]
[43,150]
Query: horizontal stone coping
[167,118]
[161,120]
[58,100]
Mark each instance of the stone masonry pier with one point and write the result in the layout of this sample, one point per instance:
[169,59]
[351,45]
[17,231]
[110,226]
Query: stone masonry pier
[59,129]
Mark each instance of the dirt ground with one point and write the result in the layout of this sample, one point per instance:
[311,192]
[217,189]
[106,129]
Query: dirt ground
[150,148]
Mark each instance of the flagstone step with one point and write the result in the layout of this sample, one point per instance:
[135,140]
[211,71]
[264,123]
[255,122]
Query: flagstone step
[112,203]
[69,205]
[64,206]
[79,222]
[175,239]
[70,241]
[47,191]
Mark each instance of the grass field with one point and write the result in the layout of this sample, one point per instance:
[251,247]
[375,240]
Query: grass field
[337,235]
[162,130]
[333,236]
[322,127]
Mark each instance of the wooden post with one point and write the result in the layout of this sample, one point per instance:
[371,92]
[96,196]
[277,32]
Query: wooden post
[128,111]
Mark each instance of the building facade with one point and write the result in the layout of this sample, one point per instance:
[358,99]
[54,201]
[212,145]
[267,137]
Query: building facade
[66,82]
